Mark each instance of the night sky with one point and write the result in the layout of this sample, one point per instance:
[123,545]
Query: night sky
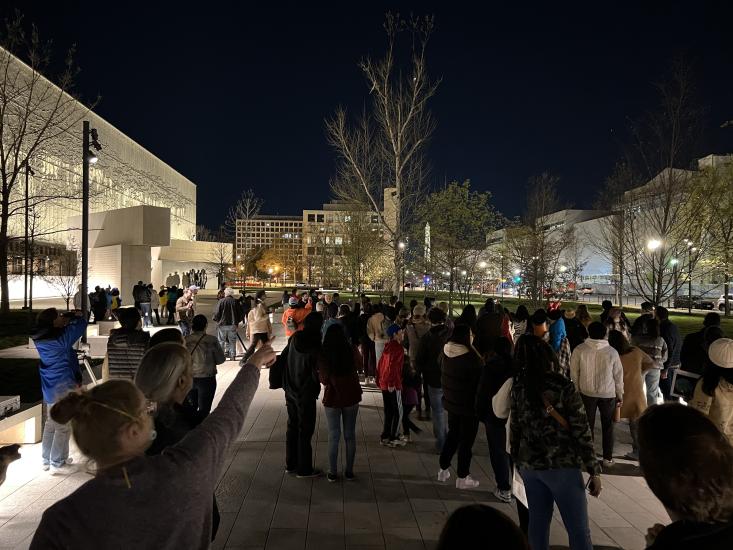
[234,96]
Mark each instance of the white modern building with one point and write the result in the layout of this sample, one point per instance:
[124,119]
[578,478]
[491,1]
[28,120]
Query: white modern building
[142,211]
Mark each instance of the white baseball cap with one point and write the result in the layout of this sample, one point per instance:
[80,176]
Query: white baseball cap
[720,352]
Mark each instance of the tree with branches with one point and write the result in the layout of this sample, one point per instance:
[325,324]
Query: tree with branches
[36,120]
[67,277]
[458,233]
[239,218]
[381,158]
[534,246]
[655,212]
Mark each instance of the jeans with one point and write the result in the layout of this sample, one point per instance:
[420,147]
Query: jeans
[185,328]
[500,460]
[425,397]
[171,307]
[147,314]
[202,393]
[333,418]
[651,379]
[227,335]
[634,431]
[301,425]
[55,442]
[565,487]
[665,384]
[606,406]
[436,402]
[391,415]
[462,431]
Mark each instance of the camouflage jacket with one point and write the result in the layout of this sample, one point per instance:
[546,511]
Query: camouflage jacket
[538,442]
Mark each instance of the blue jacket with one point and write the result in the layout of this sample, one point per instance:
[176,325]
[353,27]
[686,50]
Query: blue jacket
[557,334]
[59,366]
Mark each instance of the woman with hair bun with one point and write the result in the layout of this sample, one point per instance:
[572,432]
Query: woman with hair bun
[138,501]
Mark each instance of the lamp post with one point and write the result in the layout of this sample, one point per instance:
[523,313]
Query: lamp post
[482,265]
[87,158]
[653,245]
[401,246]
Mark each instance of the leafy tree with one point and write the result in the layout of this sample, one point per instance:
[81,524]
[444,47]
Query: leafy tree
[459,221]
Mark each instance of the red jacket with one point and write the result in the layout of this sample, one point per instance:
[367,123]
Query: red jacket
[389,370]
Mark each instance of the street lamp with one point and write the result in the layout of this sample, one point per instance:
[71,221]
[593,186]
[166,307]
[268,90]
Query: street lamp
[653,244]
[89,138]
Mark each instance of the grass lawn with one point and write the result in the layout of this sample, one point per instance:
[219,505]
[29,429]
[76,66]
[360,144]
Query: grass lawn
[14,328]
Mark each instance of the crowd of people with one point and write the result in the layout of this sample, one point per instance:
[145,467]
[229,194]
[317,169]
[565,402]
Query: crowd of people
[536,382]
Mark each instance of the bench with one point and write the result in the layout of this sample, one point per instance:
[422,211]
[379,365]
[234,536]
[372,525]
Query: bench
[24,425]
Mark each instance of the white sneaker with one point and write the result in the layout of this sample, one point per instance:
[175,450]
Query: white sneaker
[63,470]
[608,463]
[504,496]
[45,467]
[399,443]
[443,475]
[466,483]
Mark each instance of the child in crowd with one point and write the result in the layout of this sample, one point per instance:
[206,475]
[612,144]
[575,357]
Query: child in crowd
[389,378]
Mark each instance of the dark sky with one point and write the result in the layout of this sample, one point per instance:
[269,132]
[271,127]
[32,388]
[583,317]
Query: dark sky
[234,96]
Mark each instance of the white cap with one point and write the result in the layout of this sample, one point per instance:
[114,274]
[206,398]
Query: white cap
[720,352]
[228,291]
[193,287]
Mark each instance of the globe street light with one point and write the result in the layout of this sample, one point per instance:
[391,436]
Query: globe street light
[653,244]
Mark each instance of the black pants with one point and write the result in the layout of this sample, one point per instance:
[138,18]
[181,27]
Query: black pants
[257,337]
[202,393]
[462,430]
[665,384]
[407,424]
[391,415]
[157,316]
[99,314]
[301,425]
[171,312]
[500,460]
[606,405]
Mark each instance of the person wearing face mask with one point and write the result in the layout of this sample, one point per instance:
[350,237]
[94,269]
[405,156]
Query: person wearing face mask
[139,501]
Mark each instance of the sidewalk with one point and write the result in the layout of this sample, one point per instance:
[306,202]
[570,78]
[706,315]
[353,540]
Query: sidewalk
[395,502]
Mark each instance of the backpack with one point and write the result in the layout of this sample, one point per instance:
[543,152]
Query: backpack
[291,324]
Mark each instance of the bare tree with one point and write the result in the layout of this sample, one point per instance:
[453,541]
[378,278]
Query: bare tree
[36,119]
[535,247]
[240,214]
[385,148]
[67,279]
[574,259]
[713,193]
[656,222]
[362,245]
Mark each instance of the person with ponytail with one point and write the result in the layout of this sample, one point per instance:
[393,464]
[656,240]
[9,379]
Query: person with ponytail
[139,501]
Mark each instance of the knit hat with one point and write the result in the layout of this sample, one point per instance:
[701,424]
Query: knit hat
[393,329]
[720,352]
[228,291]
[538,317]
[293,301]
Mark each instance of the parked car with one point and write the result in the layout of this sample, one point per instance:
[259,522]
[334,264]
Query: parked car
[721,302]
[587,290]
[683,302]
[301,285]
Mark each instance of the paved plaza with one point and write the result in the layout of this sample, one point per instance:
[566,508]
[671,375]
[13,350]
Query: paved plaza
[395,502]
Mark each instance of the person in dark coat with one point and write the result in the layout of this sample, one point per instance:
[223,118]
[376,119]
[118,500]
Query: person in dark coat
[428,366]
[674,441]
[302,387]
[574,329]
[671,335]
[462,366]
[694,355]
[497,370]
